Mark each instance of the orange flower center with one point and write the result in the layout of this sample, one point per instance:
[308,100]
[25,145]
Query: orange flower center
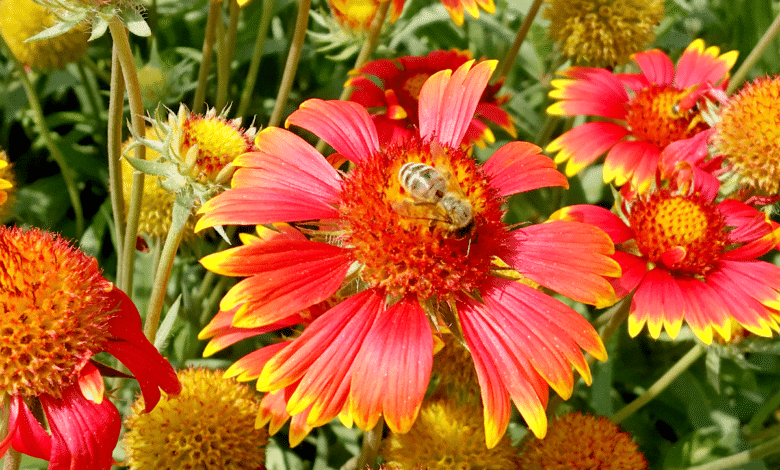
[54,308]
[422,219]
[683,233]
[219,143]
[654,115]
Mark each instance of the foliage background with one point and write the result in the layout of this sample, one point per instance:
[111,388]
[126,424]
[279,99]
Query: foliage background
[720,406]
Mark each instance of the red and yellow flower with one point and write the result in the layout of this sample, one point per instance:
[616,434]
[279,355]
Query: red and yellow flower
[644,112]
[688,258]
[59,312]
[397,262]
[390,90]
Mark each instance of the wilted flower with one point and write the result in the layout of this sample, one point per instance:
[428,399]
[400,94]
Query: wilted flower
[414,234]
[390,90]
[582,442]
[23,19]
[210,424]
[645,112]
[603,33]
[59,312]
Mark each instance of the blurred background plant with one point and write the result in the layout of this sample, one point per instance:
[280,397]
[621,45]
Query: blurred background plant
[55,112]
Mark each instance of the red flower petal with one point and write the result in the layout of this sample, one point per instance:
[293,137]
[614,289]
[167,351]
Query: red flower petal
[345,125]
[602,218]
[570,258]
[656,66]
[591,91]
[83,433]
[25,433]
[448,101]
[582,145]
[698,65]
[704,309]
[634,160]
[494,357]
[743,297]
[322,357]
[518,166]
[400,347]
[633,269]
[130,346]
[250,366]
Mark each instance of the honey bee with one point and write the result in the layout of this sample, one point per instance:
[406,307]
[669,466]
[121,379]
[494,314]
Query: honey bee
[427,186]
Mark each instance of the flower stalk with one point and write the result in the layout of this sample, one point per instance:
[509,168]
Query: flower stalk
[257,55]
[130,76]
[114,148]
[509,59]
[772,446]
[291,66]
[661,384]
[755,54]
[369,45]
[372,440]
[208,49]
[225,57]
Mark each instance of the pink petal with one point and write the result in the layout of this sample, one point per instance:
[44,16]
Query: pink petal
[345,125]
[83,433]
[570,258]
[448,101]
[656,66]
[519,166]
[399,348]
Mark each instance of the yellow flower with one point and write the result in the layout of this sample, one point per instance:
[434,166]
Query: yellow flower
[210,424]
[748,134]
[447,436]
[582,442]
[22,19]
[603,32]
[356,15]
[6,182]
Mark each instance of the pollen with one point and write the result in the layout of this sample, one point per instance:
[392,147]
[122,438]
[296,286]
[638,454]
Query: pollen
[430,246]
[682,232]
[748,134]
[210,424]
[54,308]
[219,142]
[654,115]
[582,442]
[602,33]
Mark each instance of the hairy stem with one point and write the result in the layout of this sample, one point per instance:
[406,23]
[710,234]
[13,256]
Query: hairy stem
[291,66]
[130,75]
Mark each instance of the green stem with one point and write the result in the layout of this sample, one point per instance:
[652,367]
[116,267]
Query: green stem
[769,447]
[257,55]
[163,269]
[225,57]
[115,110]
[370,44]
[67,172]
[208,50]
[661,384]
[769,407]
[13,460]
[291,66]
[369,450]
[755,54]
[125,57]
[506,64]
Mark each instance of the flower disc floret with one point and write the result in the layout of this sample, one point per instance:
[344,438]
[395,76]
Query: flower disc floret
[748,134]
[54,316]
[654,115]
[412,246]
[684,233]
[219,142]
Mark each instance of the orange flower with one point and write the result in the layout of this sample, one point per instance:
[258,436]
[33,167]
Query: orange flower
[59,312]
[410,238]
[645,112]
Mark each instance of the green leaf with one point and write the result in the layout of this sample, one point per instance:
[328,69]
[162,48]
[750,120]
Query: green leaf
[99,27]
[56,30]
[135,23]
[712,363]
[164,330]
[149,167]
